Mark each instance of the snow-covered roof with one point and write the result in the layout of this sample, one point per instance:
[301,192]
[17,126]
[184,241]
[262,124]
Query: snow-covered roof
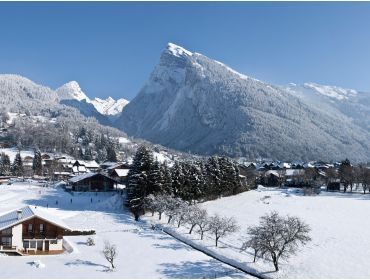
[77,169]
[11,218]
[82,177]
[62,173]
[272,172]
[291,172]
[117,164]
[284,165]
[109,163]
[88,163]
[122,172]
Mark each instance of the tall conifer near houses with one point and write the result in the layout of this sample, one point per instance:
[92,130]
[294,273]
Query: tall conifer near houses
[37,163]
[4,164]
[17,167]
[138,181]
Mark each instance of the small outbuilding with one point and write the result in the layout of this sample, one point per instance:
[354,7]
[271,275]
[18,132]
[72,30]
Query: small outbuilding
[333,186]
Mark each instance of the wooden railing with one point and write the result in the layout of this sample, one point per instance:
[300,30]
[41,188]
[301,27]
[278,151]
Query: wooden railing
[8,248]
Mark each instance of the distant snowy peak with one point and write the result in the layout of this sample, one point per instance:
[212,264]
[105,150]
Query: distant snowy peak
[182,54]
[177,50]
[332,91]
[72,90]
[109,106]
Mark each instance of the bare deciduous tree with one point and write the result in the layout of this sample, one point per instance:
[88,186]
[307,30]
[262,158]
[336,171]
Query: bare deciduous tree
[110,253]
[277,237]
[222,226]
[196,216]
[204,225]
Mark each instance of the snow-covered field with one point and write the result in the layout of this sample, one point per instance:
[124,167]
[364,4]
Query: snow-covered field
[340,247]
[142,252]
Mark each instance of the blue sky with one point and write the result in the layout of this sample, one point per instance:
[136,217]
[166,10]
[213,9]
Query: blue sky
[111,48]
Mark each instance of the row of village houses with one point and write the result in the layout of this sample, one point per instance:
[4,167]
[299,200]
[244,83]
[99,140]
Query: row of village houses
[89,175]
[62,168]
[279,165]
[81,175]
[292,174]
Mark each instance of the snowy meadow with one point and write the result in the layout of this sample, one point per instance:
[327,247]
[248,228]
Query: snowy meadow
[338,230]
[142,251]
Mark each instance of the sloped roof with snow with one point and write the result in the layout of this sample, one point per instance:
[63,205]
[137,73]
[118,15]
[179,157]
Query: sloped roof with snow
[82,177]
[11,218]
[88,163]
[122,172]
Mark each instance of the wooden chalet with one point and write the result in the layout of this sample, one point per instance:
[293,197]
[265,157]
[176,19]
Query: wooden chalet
[31,230]
[83,166]
[92,182]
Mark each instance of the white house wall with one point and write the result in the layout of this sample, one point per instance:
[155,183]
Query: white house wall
[17,236]
[56,247]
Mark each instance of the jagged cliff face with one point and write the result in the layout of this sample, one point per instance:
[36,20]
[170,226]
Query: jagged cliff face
[196,104]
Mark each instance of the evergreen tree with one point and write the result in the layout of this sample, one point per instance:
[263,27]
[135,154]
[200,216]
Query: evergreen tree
[213,177]
[185,188]
[138,183]
[102,155]
[17,167]
[177,178]
[4,164]
[166,179]
[88,154]
[192,182]
[155,179]
[111,153]
[346,174]
[230,182]
[37,163]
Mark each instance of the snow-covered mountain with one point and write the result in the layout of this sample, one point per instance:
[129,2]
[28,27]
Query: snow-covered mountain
[197,104]
[107,107]
[336,101]
[72,90]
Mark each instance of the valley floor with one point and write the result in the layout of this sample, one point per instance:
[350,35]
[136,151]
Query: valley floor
[142,252]
[340,247]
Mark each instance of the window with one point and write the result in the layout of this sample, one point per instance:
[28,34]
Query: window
[6,241]
[7,231]
[41,228]
[29,227]
[26,244]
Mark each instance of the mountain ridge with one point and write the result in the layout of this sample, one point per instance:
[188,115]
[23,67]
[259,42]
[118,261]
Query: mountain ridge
[107,107]
[193,103]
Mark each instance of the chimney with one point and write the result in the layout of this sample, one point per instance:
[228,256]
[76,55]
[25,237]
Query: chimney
[19,214]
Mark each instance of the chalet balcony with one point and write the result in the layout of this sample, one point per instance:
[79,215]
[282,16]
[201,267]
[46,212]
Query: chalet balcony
[10,250]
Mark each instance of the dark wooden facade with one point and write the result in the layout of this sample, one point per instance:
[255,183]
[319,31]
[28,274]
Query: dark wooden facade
[40,229]
[97,182]
[333,186]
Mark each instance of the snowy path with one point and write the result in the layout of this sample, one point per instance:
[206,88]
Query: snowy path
[208,252]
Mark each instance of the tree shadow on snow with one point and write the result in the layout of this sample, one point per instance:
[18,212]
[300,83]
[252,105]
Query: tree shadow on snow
[173,246]
[200,269]
[72,201]
[79,262]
